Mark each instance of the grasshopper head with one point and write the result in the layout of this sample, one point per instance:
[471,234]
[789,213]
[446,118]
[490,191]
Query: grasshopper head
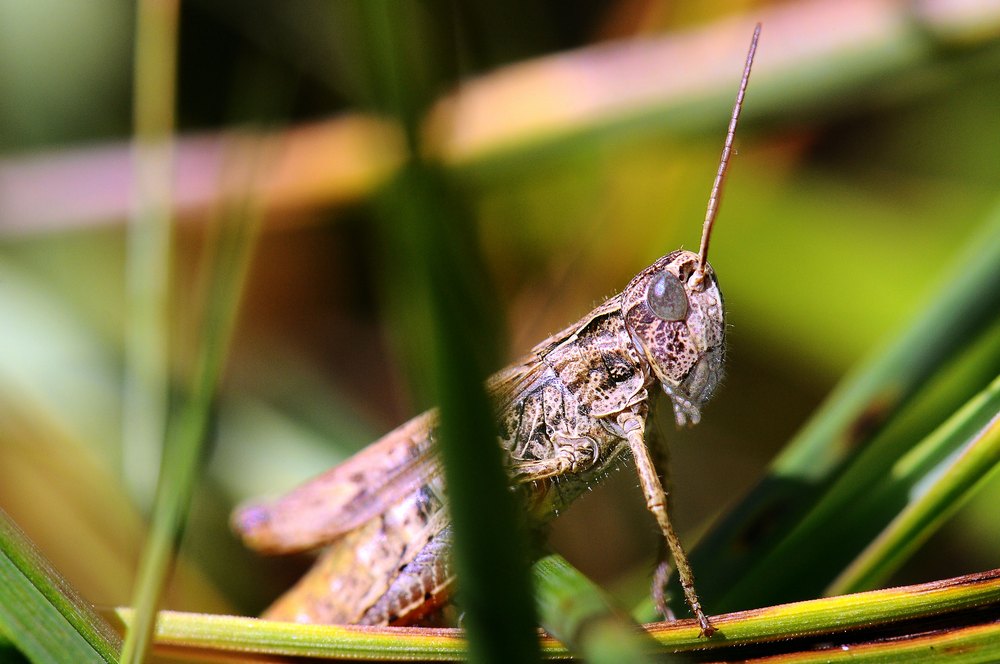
[673,312]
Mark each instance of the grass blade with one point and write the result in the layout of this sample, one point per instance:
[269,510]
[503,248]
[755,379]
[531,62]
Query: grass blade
[973,645]
[578,613]
[211,634]
[227,259]
[946,600]
[955,606]
[147,388]
[735,572]
[40,613]
[440,296]
[490,556]
[147,268]
[874,488]
[970,444]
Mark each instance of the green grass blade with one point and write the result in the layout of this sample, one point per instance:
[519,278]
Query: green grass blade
[949,599]
[954,605]
[40,613]
[147,267]
[970,445]
[489,551]
[969,645]
[440,295]
[872,490]
[209,633]
[226,264]
[578,613]
[736,568]
[968,303]
[147,388]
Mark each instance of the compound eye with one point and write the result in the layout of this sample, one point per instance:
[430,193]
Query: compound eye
[666,297]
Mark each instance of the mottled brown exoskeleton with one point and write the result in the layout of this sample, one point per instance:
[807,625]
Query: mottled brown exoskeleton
[565,413]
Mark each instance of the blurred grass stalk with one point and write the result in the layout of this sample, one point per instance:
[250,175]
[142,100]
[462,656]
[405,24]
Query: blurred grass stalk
[149,257]
[223,272]
[441,300]
[148,260]
[578,613]
[437,308]
[970,444]
[40,613]
[146,449]
[833,46]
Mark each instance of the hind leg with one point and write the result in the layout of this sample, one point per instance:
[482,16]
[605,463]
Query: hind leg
[422,587]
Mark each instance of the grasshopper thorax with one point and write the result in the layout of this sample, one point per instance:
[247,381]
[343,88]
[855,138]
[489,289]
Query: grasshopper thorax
[674,315]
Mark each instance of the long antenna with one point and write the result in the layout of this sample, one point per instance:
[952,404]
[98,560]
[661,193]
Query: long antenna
[720,176]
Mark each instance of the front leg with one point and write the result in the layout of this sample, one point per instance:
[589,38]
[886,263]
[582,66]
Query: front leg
[572,456]
[633,423]
[660,454]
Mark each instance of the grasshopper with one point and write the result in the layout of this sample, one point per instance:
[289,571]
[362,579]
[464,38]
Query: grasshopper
[566,413]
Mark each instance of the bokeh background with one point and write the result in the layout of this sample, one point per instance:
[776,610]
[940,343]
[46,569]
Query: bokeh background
[586,140]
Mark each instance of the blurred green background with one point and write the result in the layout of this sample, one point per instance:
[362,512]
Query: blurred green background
[867,157]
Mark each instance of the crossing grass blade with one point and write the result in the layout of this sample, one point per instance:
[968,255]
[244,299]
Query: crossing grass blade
[941,474]
[226,263]
[146,390]
[40,613]
[437,289]
[849,444]
[578,613]
[886,621]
